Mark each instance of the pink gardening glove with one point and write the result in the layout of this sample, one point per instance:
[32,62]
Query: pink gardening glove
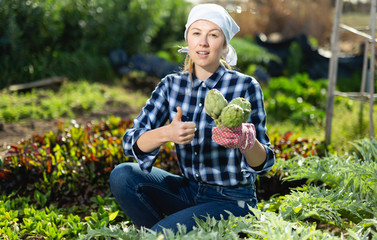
[242,137]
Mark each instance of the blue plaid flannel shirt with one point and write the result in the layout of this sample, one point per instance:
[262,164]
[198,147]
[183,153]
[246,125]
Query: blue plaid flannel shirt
[202,160]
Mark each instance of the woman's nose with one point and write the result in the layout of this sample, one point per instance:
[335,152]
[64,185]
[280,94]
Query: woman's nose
[203,41]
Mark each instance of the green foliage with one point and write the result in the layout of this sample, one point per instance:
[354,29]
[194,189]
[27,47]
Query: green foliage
[72,38]
[351,121]
[19,219]
[261,225]
[75,159]
[169,52]
[71,99]
[294,61]
[270,226]
[47,104]
[298,99]
[118,231]
[352,173]
[55,163]
[327,206]
[350,83]
[173,27]
[340,190]
[78,64]
[366,149]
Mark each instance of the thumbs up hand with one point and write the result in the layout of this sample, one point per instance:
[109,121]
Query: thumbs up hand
[181,132]
[178,116]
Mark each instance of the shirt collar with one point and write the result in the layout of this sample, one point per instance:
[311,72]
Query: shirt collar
[212,80]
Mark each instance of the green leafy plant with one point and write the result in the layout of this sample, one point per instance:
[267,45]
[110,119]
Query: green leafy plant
[22,220]
[74,160]
[341,190]
[260,225]
[298,99]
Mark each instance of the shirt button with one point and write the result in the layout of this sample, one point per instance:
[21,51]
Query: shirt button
[196,175]
[204,85]
[196,153]
[200,104]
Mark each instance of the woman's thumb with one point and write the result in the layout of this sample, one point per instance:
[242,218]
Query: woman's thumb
[178,116]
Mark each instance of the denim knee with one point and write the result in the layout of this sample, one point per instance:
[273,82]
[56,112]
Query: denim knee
[121,175]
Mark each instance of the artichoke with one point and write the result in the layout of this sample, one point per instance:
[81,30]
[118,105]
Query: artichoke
[245,105]
[214,102]
[232,116]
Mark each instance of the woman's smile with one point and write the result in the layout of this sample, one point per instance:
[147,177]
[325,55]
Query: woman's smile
[203,53]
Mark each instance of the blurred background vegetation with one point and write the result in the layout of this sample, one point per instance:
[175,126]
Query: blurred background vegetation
[40,39]
[73,38]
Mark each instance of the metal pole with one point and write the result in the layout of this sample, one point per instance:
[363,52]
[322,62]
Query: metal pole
[365,65]
[363,82]
[333,70]
[372,25]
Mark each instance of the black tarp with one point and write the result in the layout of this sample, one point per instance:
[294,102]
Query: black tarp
[315,64]
[151,65]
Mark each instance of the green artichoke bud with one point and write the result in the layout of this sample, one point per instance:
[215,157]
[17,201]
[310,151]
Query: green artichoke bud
[245,105]
[214,103]
[232,116]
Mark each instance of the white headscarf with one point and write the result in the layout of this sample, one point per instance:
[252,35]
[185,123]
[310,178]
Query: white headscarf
[218,15]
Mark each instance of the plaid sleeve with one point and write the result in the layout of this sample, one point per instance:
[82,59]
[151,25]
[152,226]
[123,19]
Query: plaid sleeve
[153,115]
[258,118]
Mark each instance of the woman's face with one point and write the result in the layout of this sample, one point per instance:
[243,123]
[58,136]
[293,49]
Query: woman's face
[206,43]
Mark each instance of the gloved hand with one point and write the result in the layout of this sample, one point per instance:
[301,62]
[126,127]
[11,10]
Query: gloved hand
[242,137]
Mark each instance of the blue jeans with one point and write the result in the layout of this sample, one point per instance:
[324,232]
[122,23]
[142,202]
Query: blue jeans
[161,200]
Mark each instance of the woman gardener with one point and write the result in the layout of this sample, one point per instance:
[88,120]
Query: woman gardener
[218,165]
